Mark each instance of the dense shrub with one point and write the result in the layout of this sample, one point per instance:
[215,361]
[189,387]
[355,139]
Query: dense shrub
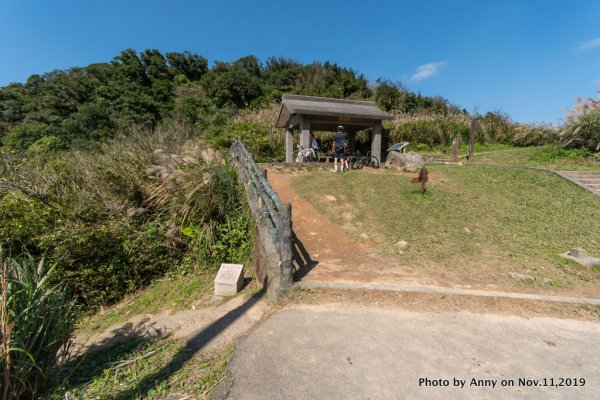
[37,322]
[108,221]
[556,152]
[22,136]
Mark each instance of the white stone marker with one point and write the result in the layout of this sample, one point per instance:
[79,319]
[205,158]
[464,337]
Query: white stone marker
[229,280]
[577,252]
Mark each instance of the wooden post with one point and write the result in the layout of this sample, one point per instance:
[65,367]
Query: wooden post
[472,139]
[423,177]
[455,149]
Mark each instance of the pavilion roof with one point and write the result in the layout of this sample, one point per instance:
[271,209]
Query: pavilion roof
[331,111]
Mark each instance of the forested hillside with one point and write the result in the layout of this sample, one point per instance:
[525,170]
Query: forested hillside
[115,174]
[69,108]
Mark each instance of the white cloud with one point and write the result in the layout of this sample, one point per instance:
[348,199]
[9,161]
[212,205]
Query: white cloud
[596,82]
[589,45]
[427,71]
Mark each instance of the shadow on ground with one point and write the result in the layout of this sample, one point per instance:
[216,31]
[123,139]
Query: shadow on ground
[192,347]
[90,365]
[301,259]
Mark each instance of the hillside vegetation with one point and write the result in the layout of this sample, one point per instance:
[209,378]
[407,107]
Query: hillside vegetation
[114,174]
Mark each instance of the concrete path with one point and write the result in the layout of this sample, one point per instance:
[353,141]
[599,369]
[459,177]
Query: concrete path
[589,180]
[332,352]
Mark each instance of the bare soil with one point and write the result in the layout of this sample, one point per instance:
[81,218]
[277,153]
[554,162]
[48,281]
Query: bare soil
[337,256]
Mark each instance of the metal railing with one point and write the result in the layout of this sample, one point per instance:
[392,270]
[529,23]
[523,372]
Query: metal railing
[265,204]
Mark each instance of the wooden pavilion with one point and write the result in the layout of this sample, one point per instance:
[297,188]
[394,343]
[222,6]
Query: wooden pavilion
[308,113]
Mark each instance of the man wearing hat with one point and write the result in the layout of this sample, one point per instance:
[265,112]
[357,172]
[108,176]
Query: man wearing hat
[339,145]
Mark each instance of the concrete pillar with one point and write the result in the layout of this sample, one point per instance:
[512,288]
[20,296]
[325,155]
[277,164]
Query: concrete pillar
[305,134]
[376,141]
[289,146]
[352,141]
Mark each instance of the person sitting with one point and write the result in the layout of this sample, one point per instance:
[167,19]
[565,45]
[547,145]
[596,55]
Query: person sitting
[314,143]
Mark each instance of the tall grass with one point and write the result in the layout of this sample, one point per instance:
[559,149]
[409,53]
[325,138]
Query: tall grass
[37,323]
[433,129]
[582,127]
[113,218]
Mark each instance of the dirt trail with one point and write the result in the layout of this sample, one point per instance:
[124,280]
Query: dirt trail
[337,256]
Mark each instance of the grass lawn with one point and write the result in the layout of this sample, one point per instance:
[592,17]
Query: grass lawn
[474,224]
[550,156]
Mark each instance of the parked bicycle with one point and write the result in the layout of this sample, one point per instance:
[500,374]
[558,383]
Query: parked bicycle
[359,161]
[306,155]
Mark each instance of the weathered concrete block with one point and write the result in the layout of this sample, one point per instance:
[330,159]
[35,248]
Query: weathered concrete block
[229,280]
[577,252]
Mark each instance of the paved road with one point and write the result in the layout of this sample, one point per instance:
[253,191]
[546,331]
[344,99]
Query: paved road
[329,352]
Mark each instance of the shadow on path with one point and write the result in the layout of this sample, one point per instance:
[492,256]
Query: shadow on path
[192,347]
[301,259]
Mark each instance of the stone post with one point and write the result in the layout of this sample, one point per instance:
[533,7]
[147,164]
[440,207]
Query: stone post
[305,134]
[289,146]
[376,141]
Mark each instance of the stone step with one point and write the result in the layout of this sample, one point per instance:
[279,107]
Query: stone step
[580,172]
[588,180]
[583,177]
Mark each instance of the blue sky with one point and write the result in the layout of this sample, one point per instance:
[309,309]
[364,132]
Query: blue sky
[530,59]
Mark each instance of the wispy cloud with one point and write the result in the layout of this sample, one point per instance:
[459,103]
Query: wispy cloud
[589,45]
[427,71]
[596,82]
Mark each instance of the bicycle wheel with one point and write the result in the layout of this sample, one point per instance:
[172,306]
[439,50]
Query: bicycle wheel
[314,156]
[374,162]
[358,163]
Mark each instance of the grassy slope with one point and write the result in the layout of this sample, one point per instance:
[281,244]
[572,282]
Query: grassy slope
[138,368]
[174,293]
[543,156]
[474,221]
[141,367]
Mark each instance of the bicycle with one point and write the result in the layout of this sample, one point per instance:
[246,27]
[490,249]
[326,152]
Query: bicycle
[360,161]
[370,161]
[306,155]
[354,160]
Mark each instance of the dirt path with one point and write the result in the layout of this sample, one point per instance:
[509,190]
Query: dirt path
[337,257]
[338,260]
